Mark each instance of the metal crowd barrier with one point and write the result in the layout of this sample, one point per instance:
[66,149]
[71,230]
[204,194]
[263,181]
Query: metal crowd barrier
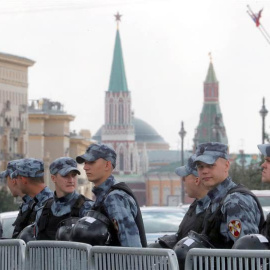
[227,259]
[128,258]
[57,255]
[12,253]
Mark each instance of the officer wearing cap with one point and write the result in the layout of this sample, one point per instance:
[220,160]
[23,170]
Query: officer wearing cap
[265,150]
[27,204]
[193,219]
[234,211]
[113,199]
[29,173]
[66,203]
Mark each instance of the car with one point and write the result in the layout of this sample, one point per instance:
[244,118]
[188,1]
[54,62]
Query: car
[7,219]
[159,221]
[263,196]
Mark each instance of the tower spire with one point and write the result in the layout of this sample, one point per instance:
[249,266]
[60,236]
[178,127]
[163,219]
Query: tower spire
[118,81]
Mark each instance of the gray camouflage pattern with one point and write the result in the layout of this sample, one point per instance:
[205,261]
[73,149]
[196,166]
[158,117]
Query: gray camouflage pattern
[63,205]
[189,168]
[42,197]
[11,167]
[237,206]
[210,152]
[29,167]
[63,166]
[25,203]
[96,151]
[264,149]
[120,207]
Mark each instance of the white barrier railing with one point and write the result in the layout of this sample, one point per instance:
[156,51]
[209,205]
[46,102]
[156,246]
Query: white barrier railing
[57,255]
[12,254]
[128,258]
[227,259]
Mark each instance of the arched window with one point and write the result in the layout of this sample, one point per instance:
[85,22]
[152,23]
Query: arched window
[121,162]
[121,112]
[131,162]
[111,113]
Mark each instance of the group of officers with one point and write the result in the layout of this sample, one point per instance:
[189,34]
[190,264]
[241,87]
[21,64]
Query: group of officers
[221,215]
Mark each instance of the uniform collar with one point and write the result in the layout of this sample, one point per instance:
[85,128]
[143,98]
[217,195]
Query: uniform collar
[218,193]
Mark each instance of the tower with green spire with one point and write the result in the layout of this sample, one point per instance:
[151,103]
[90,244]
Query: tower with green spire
[118,130]
[211,127]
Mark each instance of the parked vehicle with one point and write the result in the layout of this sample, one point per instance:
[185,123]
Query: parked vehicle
[7,219]
[159,221]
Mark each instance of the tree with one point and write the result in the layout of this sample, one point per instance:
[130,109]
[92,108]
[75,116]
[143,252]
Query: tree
[249,176]
[7,201]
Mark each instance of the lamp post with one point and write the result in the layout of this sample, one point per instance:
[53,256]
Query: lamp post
[263,113]
[182,133]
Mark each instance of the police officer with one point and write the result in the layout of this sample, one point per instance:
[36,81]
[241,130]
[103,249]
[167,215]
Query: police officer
[27,204]
[66,203]
[29,173]
[234,211]
[265,150]
[193,219]
[113,199]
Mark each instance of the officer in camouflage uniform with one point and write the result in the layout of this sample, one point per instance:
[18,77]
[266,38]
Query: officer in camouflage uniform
[233,211]
[193,219]
[30,179]
[65,204]
[265,150]
[27,204]
[113,199]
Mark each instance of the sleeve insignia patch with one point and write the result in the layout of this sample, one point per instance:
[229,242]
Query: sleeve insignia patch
[235,228]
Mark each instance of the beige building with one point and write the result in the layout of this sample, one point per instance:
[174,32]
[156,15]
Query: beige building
[50,138]
[13,107]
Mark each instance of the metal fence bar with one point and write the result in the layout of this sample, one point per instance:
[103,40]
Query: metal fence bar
[129,258]
[57,255]
[227,259]
[12,254]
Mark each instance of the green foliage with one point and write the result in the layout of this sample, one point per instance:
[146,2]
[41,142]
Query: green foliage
[7,201]
[249,176]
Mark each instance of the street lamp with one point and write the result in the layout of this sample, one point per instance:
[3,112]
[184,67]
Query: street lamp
[263,113]
[182,133]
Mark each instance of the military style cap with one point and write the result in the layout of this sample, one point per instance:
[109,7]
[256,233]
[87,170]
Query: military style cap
[29,167]
[265,149]
[210,152]
[189,168]
[11,167]
[96,151]
[63,166]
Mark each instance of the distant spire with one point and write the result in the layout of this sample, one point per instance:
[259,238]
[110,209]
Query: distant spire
[118,81]
[210,56]
[211,75]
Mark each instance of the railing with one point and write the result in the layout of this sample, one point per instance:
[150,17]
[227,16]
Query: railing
[227,259]
[57,255]
[62,255]
[123,258]
[12,254]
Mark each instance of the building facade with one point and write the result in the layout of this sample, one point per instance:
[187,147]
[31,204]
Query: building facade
[13,107]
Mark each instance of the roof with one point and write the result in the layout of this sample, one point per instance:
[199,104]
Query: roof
[143,133]
[211,75]
[118,81]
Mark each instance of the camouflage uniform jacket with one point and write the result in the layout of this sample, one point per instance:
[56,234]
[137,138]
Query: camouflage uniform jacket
[122,210]
[240,212]
[42,197]
[62,206]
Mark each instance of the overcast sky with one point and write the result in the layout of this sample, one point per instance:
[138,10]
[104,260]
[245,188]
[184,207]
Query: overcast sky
[165,46]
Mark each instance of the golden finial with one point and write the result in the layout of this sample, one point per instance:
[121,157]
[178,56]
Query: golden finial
[118,18]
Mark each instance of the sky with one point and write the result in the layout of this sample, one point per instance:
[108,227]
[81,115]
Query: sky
[165,46]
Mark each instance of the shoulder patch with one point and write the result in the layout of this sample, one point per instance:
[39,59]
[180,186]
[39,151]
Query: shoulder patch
[235,228]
